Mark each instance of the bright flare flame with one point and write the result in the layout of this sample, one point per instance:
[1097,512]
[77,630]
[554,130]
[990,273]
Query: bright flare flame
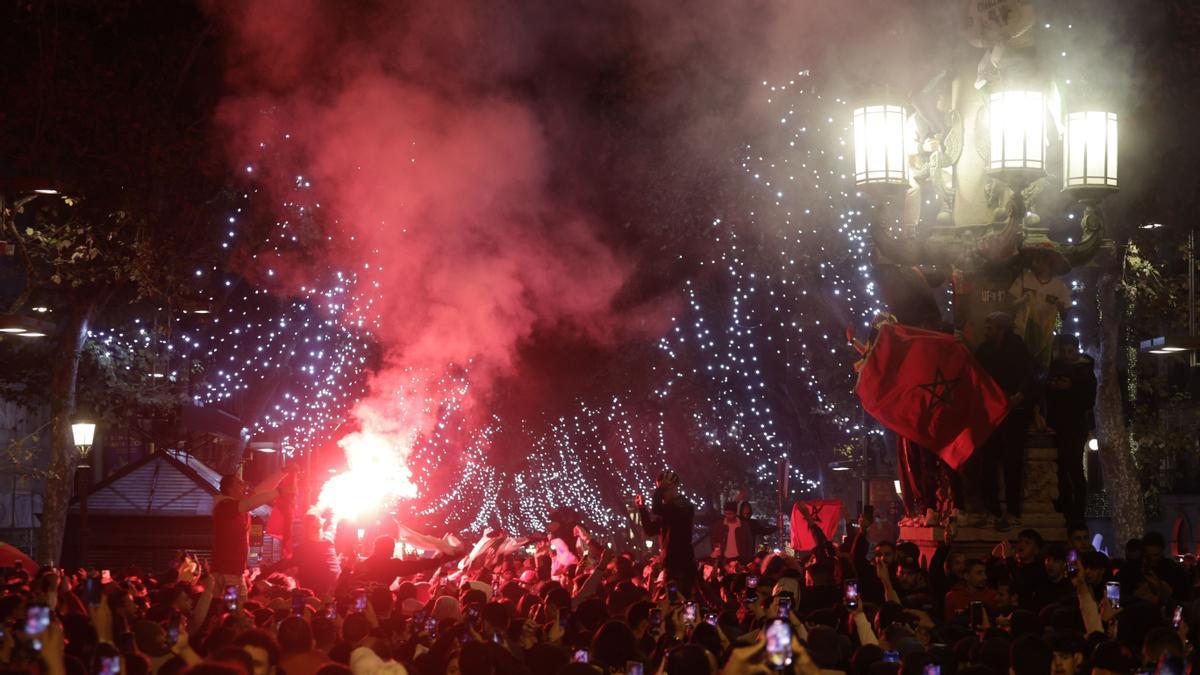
[377,477]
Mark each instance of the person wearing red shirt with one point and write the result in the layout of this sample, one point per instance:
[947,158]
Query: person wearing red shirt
[973,588]
[231,526]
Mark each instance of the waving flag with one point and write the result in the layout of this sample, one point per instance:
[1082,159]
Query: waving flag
[826,512]
[927,387]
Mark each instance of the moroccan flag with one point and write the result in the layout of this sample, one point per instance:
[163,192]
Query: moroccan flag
[827,513]
[927,387]
[279,523]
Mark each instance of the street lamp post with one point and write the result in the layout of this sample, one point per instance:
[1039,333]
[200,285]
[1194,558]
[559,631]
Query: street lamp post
[83,433]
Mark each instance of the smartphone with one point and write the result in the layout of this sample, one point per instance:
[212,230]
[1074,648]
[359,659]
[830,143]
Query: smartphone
[37,618]
[110,665]
[1112,591]
[976,617]
[125,643]
[91,591]
[473,615]
[933,669]
[331,611]
[689,613]
[173,632]
[297,604]
[634,668]
[779,644]
[231,598]
[710,619]
[785,604]
[751,581]
[1178,618]
[851,594]
[1072,564]
[580,656]
[656,617]
[672,590]
[360,600]
[891,657]
[431,626]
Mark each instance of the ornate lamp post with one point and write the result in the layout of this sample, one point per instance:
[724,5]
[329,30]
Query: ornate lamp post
[983,143]
[84,433]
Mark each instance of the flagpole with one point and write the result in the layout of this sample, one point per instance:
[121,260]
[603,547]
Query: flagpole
[783,493]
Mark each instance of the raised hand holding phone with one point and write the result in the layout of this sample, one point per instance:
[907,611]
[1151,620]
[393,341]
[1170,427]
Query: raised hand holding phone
[1112,593]
[851,594]
[779,644]
[37,620]
[689,614]
[678,622]
[232,597]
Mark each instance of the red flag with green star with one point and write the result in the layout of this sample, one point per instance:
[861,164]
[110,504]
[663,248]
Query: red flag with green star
[927,387]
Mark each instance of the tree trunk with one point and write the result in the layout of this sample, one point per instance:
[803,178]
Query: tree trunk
[63,455]
[1116,456]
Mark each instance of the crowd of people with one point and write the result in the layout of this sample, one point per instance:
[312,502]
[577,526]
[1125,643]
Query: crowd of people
[555,606]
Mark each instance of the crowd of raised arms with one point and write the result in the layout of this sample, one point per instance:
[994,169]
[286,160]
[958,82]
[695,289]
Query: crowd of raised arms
[558,606]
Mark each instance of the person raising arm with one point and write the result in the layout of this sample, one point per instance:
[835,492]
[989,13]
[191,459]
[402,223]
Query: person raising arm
[231,526]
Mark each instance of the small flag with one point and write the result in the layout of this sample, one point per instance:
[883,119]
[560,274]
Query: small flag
[826,512]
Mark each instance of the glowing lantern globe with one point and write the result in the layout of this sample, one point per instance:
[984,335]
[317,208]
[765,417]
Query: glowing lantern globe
[84,433]
[880,148]
[1090,151]
[1018,131]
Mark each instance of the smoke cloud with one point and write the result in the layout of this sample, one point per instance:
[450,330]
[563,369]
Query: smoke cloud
[506,172]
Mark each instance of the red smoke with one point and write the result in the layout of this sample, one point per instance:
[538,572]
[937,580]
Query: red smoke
[438,186]
[480,159]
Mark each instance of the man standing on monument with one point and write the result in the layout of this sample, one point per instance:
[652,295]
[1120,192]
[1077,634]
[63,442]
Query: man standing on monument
[1004,356]
[1070,395]
[673,516]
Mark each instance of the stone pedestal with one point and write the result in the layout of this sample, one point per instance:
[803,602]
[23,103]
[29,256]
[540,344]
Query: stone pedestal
[1041,489]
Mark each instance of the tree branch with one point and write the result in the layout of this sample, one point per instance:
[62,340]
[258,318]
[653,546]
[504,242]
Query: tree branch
[30,274]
